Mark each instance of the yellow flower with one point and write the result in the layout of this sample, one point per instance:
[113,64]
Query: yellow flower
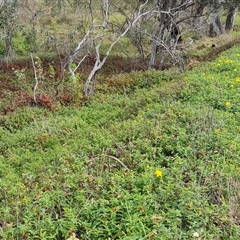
[234,69]
[158,173]
[227,104]
[232,86]
[217,131]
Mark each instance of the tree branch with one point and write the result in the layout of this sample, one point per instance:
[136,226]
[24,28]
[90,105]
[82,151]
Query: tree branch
[116,159]
[36,79]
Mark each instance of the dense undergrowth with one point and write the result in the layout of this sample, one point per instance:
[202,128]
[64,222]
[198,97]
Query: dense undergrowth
[154,158]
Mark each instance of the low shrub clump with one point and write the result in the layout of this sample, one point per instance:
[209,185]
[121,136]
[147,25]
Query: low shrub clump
[156,158]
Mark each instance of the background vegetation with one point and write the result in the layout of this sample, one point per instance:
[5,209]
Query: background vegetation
[151,155]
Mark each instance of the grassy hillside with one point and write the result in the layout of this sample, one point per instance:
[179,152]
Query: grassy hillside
[154,158]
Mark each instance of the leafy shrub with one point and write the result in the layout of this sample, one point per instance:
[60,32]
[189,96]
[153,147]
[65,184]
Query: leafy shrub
[155,159]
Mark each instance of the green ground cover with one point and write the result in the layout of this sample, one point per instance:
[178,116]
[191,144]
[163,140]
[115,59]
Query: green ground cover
[157,158]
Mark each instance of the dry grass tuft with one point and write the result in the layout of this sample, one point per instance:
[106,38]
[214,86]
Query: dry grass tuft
[234,201]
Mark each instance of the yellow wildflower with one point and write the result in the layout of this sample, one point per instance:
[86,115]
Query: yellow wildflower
[217,131]
[227,104]
[158,173]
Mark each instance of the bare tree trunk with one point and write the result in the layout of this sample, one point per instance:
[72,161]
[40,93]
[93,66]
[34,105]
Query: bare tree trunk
[197,15]
[8,40]
[215,27]
[168,32]
[230,18]
[157,39]
[155,42]
[7,17]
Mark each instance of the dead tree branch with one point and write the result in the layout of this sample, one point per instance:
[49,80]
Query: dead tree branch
[36,78]
[117,160]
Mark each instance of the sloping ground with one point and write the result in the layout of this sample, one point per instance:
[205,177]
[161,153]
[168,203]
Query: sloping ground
[17,81]
[157,158]
[17,78]
[216,50]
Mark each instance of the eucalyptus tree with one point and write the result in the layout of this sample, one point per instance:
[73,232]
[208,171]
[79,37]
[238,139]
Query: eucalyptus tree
[231,7]
[230,18]
[167,33]
[7,20]
[215,26]
[101,14]
[217,7]
[158,23]
[161,22]
[213,10]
